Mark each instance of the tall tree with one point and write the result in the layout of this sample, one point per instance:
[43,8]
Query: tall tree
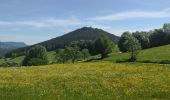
[62,56]
[37,52]
[134,47]
[85,53]
[84,44]
[143,38]
[73,53]
[103,45]
[158,38]
[125,37]
[166,28]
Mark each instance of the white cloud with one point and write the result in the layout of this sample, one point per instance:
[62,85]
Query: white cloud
[133,15]
[118,31]
[41,23]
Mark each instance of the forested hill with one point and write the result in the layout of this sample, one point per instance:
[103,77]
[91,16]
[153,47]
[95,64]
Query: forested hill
[85,33]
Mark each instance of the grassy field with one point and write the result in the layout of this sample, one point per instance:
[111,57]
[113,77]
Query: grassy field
[84,81]
[153,55]
[17,60]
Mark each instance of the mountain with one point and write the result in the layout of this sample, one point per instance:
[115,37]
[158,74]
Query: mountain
[8,46]
[12,45]
[85,33]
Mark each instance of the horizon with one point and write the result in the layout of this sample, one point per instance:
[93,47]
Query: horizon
[32,22]
[67,33]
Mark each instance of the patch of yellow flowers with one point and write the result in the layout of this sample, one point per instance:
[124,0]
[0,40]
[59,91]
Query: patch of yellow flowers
[91,78]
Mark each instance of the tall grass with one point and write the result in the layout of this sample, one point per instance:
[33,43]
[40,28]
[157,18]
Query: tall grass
[84,81]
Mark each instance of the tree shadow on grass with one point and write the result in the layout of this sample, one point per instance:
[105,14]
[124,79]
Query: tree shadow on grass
[156,62]
[165,62]
[123,61]
[145,61]
[93,59]
[131,61]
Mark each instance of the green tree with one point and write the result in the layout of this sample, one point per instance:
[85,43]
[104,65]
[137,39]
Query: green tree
[166,28]
[134,47]
[103,45]
[73,53]
[62,56]
[36,62]
[83,44]
[37,52]
[143,38]
[13,55]
[125,37]
[158,38]
[85,53]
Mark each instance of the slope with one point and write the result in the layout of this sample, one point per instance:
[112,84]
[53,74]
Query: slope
[153,55]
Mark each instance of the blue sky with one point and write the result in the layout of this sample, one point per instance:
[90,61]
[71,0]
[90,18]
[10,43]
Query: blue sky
[33,21]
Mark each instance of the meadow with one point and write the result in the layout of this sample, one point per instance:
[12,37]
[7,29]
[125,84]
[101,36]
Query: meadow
[153,55]
[84,81]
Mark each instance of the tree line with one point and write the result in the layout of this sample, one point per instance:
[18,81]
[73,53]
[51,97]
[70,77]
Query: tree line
[143,40]
[157,37]
[76,50]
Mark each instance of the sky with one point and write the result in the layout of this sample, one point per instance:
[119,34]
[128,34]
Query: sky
[33,21]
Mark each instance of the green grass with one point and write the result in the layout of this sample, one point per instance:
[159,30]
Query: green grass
[157,54]
[86,81]
[17,60]
[153,55]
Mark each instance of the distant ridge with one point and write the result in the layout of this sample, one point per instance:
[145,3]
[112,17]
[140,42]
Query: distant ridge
[8,46]
[85,33]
